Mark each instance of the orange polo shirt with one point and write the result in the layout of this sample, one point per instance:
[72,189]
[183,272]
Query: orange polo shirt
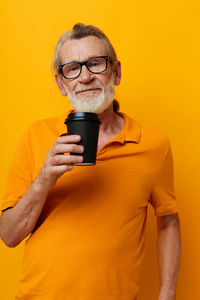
[88,243]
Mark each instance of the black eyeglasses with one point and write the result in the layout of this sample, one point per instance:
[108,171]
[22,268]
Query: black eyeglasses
[95,65]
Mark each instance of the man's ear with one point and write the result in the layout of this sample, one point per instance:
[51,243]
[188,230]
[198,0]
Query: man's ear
[60,85]
[117,71]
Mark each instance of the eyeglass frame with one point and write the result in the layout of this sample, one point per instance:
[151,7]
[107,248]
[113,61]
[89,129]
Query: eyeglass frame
[84,63]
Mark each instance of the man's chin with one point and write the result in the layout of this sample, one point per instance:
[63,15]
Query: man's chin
[85,98]
[86,105]
[91,104]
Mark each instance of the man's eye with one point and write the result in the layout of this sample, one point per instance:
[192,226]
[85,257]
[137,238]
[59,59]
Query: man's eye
[93,64]
[74,68]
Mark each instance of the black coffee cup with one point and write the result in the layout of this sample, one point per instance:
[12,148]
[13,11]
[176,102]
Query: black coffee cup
[85,124]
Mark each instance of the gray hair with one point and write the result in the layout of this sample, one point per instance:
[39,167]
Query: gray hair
[80,31]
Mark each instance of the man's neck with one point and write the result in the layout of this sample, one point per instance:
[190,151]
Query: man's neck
[112,123]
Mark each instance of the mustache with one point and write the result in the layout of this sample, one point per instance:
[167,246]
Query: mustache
[88,87]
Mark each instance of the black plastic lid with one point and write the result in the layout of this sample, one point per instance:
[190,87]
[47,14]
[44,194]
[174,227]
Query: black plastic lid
[81,116]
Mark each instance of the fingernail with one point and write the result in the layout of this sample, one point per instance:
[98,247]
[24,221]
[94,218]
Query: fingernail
[78,136]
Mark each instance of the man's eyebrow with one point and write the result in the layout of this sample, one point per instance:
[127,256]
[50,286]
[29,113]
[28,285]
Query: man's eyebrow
[92,56]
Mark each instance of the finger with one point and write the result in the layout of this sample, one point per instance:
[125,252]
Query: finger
[66,159]
[68,139]
[59,170]
[66,148]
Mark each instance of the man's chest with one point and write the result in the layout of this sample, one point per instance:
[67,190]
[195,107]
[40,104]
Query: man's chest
[104,140]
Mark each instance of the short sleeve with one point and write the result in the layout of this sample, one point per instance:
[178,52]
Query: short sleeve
[20,173]
[163,198]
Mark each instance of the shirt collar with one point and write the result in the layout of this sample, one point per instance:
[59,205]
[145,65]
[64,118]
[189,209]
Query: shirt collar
[130,132]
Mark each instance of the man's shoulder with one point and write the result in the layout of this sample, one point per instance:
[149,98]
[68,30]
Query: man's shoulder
[150,136]
[52,125]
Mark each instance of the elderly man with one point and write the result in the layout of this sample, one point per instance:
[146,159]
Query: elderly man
[86,224]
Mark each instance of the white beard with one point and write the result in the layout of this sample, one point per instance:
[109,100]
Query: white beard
[97,104]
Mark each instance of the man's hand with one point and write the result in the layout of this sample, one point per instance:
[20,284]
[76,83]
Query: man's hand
[56,163]
[18,222]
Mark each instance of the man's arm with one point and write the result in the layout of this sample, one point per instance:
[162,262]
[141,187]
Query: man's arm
[18,222]
[169,253]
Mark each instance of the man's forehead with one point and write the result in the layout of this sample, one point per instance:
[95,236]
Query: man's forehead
[82,49]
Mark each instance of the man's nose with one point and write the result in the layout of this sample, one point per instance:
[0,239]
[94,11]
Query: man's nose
[85,76]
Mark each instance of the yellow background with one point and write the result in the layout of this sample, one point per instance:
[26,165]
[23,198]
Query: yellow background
[158,45]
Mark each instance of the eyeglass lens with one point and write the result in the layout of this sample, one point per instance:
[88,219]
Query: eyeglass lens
[95,65]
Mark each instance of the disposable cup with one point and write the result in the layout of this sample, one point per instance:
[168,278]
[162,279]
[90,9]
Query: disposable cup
[86,125]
